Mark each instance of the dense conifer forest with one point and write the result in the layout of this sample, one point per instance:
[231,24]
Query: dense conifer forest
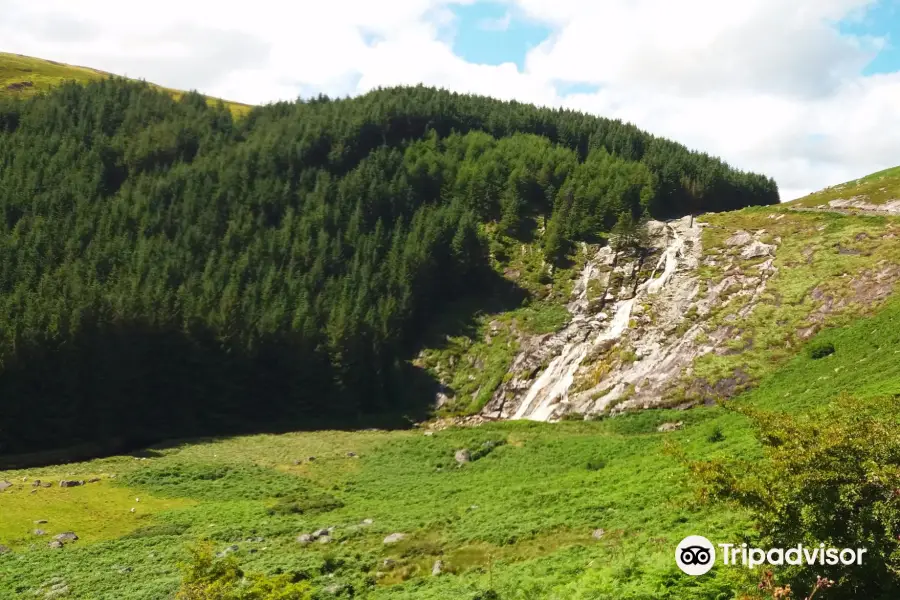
[167,269]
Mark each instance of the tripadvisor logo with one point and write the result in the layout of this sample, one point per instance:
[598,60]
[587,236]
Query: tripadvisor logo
[696,555]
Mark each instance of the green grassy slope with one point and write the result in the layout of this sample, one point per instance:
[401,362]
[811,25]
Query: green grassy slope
[520,519]
[876,188]
[24,76]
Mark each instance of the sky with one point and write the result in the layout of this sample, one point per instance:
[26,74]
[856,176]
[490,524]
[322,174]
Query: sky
[805,91]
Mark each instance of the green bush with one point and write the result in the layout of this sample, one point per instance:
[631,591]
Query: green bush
[207,578]
[831,478]
[595,464]
[819,350]
[716,435]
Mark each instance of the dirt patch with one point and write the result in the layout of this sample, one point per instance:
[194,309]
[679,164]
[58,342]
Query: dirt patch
[19,86]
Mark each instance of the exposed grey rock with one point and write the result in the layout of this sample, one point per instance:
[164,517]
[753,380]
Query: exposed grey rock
[68,483]
[93,480]
[756,250]
[325,539]
[320,532]
[41,522]
[5,485]
[438,568]
[666,427]
[305,538]
[36,483]
[388,563]
[739,238]
[598,533]
[463,456]
[55,544]
[39,532]
[394,538]
[367,522]
[68,536]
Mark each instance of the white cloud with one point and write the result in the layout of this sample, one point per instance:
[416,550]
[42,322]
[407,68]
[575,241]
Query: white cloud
[770,86]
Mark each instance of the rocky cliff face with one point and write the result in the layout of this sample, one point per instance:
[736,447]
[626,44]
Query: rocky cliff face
[632,338]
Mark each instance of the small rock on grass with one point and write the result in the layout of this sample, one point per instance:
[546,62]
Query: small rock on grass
[598,533]
[5,485]
[55,544]
[41,522]
[39,532]
[463,456]
[68,536]
[438,568]
[394,538]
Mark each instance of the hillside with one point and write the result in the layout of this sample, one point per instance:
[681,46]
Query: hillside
[282,268]
[577,509]
[25,76]
[874,194]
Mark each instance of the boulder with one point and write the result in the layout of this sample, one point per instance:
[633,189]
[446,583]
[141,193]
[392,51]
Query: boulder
[325,539]
[463,456]
[68,536]
[67,483]
[394,538]
[756,250]
[304,538]
[438,568]
[5,485]
[55,544]
[739,238]
[666,427]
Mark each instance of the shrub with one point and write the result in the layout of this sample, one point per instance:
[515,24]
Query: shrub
[819,350]
[595,464]
[831,478]
[716,435]
[207,578]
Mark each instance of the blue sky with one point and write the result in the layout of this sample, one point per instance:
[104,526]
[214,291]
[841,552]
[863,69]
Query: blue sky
[491,33]
[883,20]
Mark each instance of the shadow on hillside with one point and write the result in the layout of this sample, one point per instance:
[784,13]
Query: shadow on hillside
[122,390]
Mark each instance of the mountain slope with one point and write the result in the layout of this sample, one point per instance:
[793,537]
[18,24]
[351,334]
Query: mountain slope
[25,76]
[702,313]
[874,194]
[281,267]
[576,509]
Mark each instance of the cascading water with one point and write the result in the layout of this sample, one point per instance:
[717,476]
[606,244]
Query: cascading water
[551,388]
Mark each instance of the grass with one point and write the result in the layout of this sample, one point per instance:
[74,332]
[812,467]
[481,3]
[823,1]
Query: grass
[876,188]
[822,260]
[519,518]
[44,75]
